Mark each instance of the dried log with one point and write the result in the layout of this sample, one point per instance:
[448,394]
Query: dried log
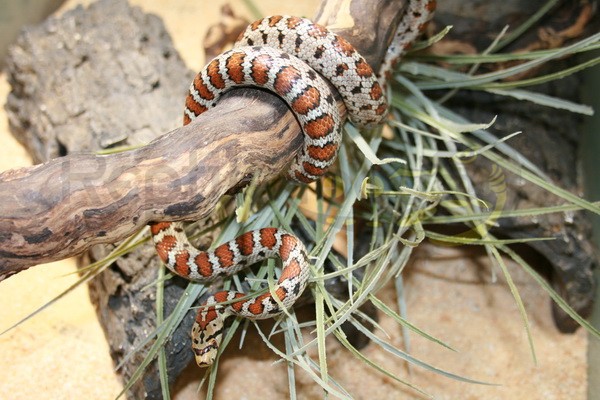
[98,199]
[62,207]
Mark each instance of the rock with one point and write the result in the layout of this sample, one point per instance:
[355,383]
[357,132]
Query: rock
[92,79]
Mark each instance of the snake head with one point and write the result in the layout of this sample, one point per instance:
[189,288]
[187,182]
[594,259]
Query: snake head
[206,353]
[207,334]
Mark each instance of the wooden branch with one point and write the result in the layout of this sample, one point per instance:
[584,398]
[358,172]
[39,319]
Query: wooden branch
[60,208]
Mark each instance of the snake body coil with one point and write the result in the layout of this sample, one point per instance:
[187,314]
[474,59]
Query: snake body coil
[281,54]
[294,58]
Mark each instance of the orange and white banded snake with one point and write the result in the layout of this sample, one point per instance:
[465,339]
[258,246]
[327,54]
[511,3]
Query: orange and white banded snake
[291,57]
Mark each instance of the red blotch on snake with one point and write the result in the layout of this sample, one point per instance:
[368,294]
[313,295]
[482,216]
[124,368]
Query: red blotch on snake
[320,127]
[300,177]
[292,271]
[317,31]
[293,22]
[257,306]
[285,79]
[213,73]
[193,106]
[344,46]
[204,319]
[225,256]
[322,153]
[261,66]
[255,25]
[245,243]
[274,20]
[234,65]
[287,245]
[205,268]
[157,227]
[165,246]
[363,69]
[308,100]
[267,237]
[376,92]
[181,263]
[202,89]
[313,169]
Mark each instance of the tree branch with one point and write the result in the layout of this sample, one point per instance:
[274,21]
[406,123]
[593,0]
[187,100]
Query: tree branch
[60,208]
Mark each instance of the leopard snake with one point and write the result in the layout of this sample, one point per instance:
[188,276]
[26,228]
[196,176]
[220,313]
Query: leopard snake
[292,57]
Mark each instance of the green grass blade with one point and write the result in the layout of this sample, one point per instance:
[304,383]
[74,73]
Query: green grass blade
[364,147]
[439,237]
[518,300]
[524,27]
[551,292]
[290,365]
[524,212]
[191,293]
[321,345]
[302,363]
[415,361]
[544,100]
[405,323]
[361,357]
[544,78]
[466,59]
[162,357]
[451,80]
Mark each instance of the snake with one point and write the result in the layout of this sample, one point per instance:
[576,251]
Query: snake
[296,59]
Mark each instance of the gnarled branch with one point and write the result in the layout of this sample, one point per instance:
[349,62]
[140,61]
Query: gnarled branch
[60,208]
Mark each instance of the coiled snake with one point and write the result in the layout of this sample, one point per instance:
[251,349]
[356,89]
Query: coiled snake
[291,57]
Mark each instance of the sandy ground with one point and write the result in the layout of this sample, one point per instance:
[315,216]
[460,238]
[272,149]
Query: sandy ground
[62,354]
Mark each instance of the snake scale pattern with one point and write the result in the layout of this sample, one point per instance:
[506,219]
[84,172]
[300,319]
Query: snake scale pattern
[293,58]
